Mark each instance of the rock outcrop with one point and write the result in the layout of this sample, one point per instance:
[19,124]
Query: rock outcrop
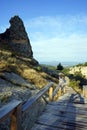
[16,39]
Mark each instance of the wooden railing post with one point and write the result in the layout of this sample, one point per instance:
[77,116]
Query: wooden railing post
[85,91]
[60,91]
[63,89]
[50,93]
[16,119]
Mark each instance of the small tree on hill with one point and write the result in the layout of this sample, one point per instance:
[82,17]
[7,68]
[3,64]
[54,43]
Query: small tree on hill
[59,67]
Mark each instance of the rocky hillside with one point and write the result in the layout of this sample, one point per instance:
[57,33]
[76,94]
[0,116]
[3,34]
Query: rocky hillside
[82,69]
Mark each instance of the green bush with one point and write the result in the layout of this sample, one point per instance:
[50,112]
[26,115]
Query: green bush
[38,68]
[77,80]
[79,65]
[85,64]
[75,85]
[66,71]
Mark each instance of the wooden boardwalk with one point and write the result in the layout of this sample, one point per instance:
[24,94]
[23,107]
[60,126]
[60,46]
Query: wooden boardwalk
[68,113]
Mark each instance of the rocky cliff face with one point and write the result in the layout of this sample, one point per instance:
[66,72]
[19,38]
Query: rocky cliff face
[16,39]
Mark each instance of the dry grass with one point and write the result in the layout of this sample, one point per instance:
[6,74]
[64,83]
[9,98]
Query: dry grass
[3,65]
[4,96]
[8,62]
[34,76]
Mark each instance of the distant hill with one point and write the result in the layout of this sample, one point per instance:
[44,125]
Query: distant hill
[55,63]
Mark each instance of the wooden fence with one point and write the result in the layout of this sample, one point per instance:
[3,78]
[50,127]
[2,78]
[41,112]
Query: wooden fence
[15,108]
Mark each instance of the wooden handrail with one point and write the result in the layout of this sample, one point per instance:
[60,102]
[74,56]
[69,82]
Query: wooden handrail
[61,89]
[7,110]
[15,108]
[13,111]
[55,91]
[36,97]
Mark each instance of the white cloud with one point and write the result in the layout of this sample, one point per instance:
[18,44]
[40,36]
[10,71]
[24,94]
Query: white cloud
[71,48]
[43,21]
[58,25]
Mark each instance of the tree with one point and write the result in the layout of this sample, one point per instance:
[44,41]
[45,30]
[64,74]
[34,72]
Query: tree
[59,67]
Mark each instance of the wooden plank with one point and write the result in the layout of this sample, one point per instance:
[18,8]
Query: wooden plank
[66,110]
[59,122]
[64,115]
[67,114]
[43,127]
[57,104]
[64,107]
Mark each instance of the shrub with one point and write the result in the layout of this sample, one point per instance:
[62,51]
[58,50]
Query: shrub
[85,64]
[38,68]
[79,65]
[75,85]
[77,80]
[66,71]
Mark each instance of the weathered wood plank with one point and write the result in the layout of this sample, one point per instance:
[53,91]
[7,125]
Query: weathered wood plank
[45,127]
[60,127]
[57,104]
[66,104]
[61,122]
[76,112]
[62,116]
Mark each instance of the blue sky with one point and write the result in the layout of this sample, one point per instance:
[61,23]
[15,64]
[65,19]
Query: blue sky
[57,29]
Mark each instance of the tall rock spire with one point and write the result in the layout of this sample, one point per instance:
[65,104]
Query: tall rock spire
[15,38]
